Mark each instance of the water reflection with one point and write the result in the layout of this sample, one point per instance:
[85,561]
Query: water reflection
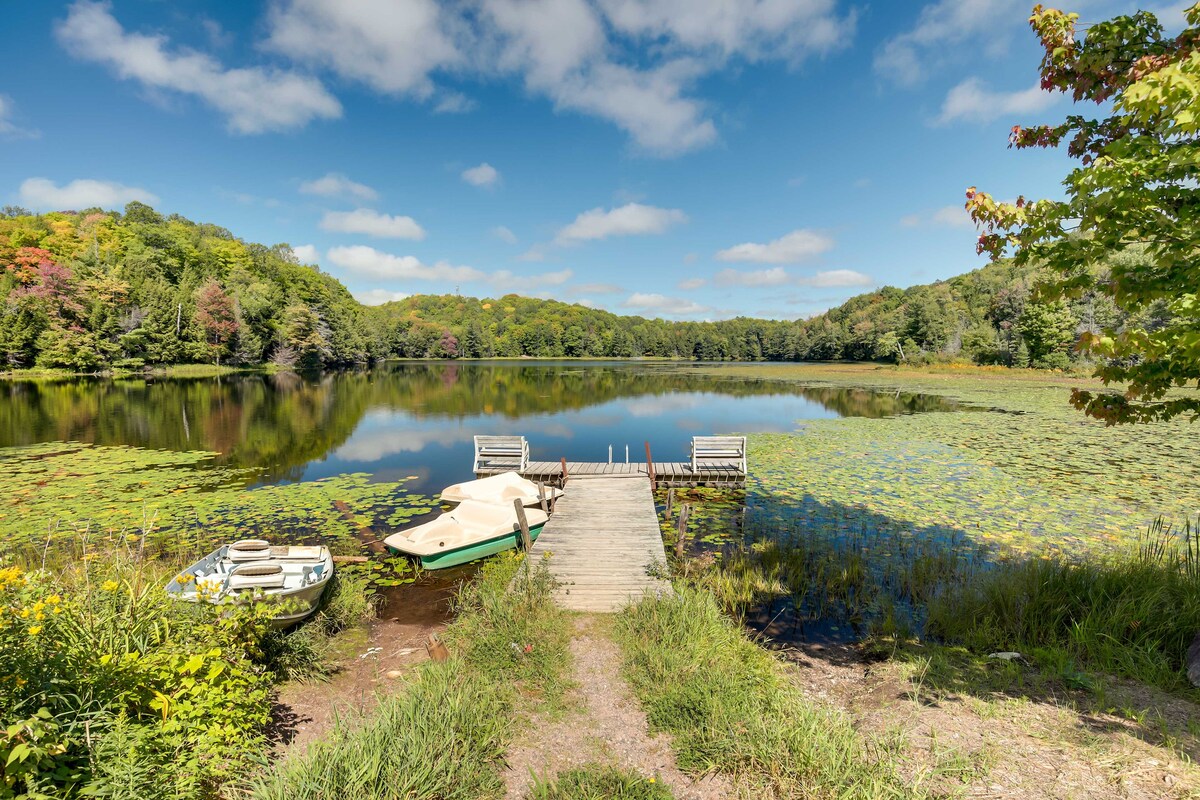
[404,419]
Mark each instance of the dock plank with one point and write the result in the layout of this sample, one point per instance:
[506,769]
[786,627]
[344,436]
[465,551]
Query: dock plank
[603,541]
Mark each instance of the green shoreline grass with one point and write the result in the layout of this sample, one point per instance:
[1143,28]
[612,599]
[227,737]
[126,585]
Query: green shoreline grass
[443,735]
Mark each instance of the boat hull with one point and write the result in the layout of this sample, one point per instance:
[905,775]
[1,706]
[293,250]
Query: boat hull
[473,551]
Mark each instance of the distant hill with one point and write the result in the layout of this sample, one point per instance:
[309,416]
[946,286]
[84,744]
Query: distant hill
[94,290]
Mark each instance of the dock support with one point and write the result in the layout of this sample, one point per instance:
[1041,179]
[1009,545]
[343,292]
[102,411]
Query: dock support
[685,511]
[563,461]
[542,498]
[650,467]
[526,541]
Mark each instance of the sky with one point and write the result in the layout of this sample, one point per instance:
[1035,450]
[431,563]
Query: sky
[689,159]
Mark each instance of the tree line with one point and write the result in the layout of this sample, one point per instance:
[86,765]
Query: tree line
[97,290]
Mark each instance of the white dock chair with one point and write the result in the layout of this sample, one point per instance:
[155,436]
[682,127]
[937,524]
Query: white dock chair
[719,451]
[501,454]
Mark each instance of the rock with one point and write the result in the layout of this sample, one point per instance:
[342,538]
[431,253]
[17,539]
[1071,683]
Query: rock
[1007,656]
[1193,661]
[393,673]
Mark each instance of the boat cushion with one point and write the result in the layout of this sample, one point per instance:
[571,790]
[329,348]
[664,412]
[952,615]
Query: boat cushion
[267,575]
[249,550]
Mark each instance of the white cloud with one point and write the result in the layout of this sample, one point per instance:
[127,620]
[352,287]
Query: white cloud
[368,262]
[628,220]
[837,278]
[775,276]
[507,282]
[372,223]
[391,47]
[630,62]
[335,184]
[973,102]
[504,234]
[454,103]
[598,288]
[946,216]
[692,283]
[796,246]
[651,303]
[306,254]
[8,128]
[483,175]
[40,193]
[908,57]
[377,297]
[252,99]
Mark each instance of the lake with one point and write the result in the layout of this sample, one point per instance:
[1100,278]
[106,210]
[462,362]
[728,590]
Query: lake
[416,419]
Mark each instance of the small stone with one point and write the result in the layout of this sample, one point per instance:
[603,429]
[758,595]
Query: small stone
[393,673]
[1193,661]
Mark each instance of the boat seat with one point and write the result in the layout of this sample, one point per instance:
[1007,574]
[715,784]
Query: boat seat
[249,550]
[267,575]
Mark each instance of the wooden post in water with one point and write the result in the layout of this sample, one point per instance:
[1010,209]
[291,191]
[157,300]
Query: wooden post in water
[650,468]
[542,498]
[670,501]
[526,541]
[685,511]
[563,461]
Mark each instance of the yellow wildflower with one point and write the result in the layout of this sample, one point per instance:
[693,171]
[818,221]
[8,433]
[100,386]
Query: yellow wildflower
[110,586]
[53,599]
[34,630]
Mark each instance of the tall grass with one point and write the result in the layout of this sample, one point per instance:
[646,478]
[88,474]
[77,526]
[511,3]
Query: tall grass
[599,782]
[1131,613]
[443,734]
[731,707]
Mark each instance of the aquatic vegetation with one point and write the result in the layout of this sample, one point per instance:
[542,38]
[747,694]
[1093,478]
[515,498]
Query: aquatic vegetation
[55,492]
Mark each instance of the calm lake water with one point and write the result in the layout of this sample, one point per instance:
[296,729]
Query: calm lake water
[418,419]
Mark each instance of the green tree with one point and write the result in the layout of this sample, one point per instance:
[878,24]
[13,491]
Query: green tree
[1134,193]
[1048,330]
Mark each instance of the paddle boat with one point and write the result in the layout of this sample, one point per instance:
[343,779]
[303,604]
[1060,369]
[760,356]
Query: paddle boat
[471,530]
[502,488]
[295,576]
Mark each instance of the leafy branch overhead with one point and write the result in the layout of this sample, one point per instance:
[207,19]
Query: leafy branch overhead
[1129,227]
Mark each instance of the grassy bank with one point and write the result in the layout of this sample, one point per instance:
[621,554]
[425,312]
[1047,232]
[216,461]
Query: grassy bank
[444,734]
[110,688]
[731,707]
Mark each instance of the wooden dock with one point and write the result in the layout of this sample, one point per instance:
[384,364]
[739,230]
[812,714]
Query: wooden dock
[605,546]
[667,474]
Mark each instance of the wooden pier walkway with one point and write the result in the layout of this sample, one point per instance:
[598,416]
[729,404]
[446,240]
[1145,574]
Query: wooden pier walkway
[666,474]
[604,542]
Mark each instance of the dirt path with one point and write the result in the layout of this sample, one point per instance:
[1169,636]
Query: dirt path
[603,724]
[371,661]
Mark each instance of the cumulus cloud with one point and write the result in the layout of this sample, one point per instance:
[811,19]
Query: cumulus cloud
[454,103]
[836,279]
[504,234]
[908,57]
[598,288]
[367,262]
[946,216]
[791,248]
[628,220]
[651,303]
[776,276]
[306,254]
[692,283]
[41,193]
[483,175]
[335,184]
[372,223]
[252,99]
[971,101]
[8,128]
[633,63]
[507,282]
[377,297]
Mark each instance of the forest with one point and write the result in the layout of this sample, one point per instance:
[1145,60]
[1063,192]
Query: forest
[97,291]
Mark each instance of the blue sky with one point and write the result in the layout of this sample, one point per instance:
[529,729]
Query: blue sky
[692,159]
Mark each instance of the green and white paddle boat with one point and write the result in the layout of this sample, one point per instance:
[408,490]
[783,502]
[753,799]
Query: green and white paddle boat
[471,530]
[503,489]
